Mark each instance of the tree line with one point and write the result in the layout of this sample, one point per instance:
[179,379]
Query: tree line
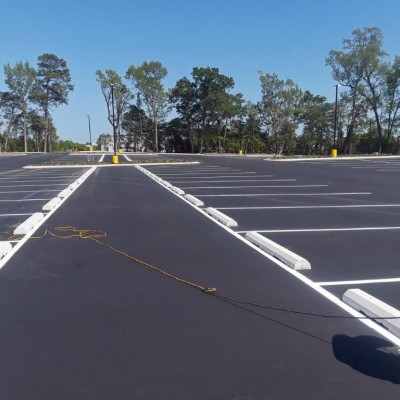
[203,113]
[209,116]
[26,104]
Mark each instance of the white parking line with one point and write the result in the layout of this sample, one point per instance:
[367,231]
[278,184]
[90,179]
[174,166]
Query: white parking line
[216,176]
[39,180]
[37,184]
[41,177]
[240,180]
[374,228]
[210,174]
[294,207]
[127,158]
[32,191]
[25,200]
[259,186]
[16,215]
[102,158]
[283,194]
[359,282]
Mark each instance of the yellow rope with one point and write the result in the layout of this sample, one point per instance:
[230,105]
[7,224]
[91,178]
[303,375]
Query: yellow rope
[94,235]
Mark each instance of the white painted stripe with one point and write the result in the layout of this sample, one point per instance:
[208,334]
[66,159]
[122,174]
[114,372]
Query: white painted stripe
[311,207]
[359,282]
[323,292]
[376,228]
[253,186]
[226,176]
[15,215]
[282,194]
[388,170]
[37,178]
[37,184]
[210,175]
[2,200]
[127,158]
[238,180]
[31,191]
[370,167]
[64,182]
[102,158]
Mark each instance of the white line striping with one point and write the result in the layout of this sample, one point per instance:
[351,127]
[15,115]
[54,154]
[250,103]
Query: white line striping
[36,184]
[282,194]
[32,191]
[40,180]
[127,158]
[190,174]
[359,282]
[238,180]
[253,186]
[15,215]
[323,292]
[376,228]
[102,158]
[305,207]
[25,200]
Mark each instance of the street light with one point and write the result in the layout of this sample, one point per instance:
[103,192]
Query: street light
[115,157]
[90,133]
[336,118]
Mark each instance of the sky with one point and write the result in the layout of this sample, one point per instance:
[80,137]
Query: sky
[291,38]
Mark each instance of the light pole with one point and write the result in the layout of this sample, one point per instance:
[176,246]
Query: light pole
[336,118]
[115,157]
[90,134]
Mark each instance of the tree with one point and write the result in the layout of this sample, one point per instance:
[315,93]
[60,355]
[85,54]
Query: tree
[316,118]
[20,80]
[391,97]
[122,97]
[138,128]
[9,107]
[361,66]
[147,79]
[54,85]
[280,109]
[202,102]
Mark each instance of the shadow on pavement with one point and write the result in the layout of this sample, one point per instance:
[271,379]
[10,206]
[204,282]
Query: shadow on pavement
[369,355]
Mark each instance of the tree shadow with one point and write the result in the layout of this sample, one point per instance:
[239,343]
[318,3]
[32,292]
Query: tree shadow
[369,355]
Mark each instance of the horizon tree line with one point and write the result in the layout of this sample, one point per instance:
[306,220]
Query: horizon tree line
[206,114]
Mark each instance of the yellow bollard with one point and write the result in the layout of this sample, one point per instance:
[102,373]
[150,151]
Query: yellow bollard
[120,151]
[240,152]
[334,153]
[115,160]
[90,148]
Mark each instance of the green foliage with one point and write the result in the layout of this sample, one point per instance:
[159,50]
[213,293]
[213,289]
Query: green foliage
[147,80]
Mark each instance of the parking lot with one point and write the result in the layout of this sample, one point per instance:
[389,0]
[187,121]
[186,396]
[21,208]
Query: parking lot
[341,215]
[82,320]
[26,191]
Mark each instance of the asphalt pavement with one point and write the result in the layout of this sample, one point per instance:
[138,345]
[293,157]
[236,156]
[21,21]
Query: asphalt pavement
[81,321]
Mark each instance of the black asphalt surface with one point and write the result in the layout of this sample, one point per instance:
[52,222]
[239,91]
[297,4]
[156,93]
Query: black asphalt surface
[82,322]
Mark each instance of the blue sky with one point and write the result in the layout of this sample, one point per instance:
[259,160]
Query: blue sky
[291,38]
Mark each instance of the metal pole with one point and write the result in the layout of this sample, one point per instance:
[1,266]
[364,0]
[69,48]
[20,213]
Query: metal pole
[113,119]
[336,116]
[90,133]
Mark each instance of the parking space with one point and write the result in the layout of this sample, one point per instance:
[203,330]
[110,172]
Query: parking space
[341,215]
[25,191]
